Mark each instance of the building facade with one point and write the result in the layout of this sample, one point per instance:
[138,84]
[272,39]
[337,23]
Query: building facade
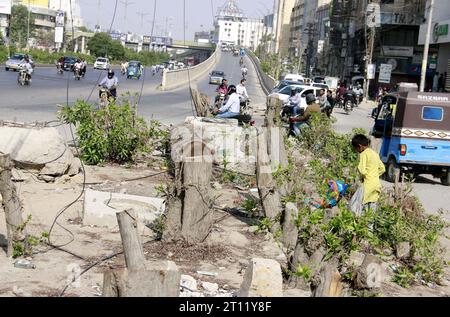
[5,13]
[440,38]
[282,30]
[233,27]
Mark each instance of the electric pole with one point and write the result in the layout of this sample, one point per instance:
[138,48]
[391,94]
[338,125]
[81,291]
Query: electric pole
[370,22]
[427,48]
[142,15]
[126,3]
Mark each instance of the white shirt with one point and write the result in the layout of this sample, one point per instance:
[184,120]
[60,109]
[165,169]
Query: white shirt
[78,65]
[27,66]
[242,91]
[244,70]
[109,83]
[233,104]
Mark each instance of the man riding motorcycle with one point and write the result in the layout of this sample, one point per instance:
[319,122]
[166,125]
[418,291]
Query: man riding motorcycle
[222,91]
[77,68]
[358,91]
[60,65]
[293,106]
[297,122]
[110,83]
[244,71]
[26,66]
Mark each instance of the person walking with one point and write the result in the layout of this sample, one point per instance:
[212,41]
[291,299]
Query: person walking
[371,168]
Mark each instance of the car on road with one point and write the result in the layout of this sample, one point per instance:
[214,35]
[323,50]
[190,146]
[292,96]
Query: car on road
[216,77]
[102,63]
[284,83]
[294,77]
[14,61]
[286,92]
[69,61]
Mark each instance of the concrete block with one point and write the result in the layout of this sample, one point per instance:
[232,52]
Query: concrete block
[263,278]
[100,208]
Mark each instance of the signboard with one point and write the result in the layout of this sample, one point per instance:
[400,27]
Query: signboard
[59,34]
[5,7]
[59,21]
[398,51]
[385,74]
[400,18]
[371,70]
[320,46]
[439,33]
[373,15]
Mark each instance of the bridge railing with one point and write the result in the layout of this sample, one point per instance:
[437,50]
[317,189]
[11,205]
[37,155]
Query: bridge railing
[173,79]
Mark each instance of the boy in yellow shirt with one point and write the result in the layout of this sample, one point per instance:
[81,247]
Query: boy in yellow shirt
[371,169]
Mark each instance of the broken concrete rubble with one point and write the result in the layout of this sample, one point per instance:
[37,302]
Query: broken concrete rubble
[100,208]
[263,278]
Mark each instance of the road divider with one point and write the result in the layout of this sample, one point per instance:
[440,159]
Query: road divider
[173,79]
[267,82]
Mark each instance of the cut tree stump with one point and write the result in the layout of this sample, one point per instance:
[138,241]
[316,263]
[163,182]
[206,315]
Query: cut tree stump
[328,283]
[140,278]
[290,230]
[189,210]
[11,204]
[267,186]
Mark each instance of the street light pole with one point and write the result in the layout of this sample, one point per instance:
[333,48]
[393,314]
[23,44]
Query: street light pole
[427,48]
[28,26]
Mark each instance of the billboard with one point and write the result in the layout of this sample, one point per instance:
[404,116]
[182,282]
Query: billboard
[60,19]
[59,35]
[5,7]
[37,3]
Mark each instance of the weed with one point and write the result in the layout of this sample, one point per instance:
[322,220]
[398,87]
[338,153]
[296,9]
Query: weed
[251,207]
[304,272]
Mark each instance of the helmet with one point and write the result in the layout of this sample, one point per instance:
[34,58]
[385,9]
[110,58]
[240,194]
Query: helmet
[310,98]
[79,60]
[111,74]
[231,89]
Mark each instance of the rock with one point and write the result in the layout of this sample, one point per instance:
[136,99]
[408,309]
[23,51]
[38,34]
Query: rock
[217,186]
[443,282]
[371,274]
[299,258]
[356,259]
[32,148]
[316,259]
[45,178]
[19,176]
[75,167]
[238,239]
[58,167]
[290,230]
[63,180]
[253,229]
[210,288]
[331,213]
[263,278]
[403,250]
[189,283]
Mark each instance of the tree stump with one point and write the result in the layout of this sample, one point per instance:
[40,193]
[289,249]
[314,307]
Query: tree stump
[140,278]
[267,188]
[11,205]
[328,283]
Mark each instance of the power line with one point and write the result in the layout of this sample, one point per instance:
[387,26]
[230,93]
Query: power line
[126,3]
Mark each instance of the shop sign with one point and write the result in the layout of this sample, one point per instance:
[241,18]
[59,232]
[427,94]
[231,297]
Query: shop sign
[385,74]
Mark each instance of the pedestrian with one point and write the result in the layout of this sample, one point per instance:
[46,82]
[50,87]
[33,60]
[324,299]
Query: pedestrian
[371,169]
[436,82]
[441,83]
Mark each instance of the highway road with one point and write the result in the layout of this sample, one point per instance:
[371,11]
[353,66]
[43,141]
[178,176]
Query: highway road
[39,102]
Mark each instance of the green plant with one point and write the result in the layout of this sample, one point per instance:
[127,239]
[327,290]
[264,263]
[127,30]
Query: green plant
[403,277]
[251,207]
[111,134]
[264,224]
[304,272]
[158,226]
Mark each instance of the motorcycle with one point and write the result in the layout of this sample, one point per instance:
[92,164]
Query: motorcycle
[24,78]
[59,69]
[349,102]
[220,100]
[77,72]
[105,96]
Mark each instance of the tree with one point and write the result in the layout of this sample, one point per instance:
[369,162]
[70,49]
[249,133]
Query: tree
[19,25]
[102,45]
[45,38]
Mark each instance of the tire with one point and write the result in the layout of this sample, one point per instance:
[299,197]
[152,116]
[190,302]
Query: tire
[7,69]
[392,171]
[445,179]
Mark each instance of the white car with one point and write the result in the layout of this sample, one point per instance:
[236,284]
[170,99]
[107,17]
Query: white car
[102,63]
[286,92]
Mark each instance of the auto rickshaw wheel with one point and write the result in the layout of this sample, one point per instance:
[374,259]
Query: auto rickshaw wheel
[392,171]
[445,179]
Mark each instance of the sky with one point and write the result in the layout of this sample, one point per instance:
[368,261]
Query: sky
[198,15]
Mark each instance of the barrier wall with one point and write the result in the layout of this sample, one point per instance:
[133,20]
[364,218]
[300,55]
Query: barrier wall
[178,78]
[267,82]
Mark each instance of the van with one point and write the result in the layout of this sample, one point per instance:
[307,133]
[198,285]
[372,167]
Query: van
[294,77]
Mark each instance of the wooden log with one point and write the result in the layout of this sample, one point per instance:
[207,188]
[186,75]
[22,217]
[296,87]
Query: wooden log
[131,241]
[266,184]
[11,204]
[329,283]
[197,217]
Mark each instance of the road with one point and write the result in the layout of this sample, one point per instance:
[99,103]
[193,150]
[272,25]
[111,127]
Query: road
[39,102]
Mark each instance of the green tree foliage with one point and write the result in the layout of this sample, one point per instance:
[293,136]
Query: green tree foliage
[19,25]
[102,45]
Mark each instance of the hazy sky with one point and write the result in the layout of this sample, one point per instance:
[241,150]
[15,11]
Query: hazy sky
[198,14]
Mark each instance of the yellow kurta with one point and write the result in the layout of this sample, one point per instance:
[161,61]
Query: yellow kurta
[371,168]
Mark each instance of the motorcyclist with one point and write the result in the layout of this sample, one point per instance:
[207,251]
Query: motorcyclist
[84,68]
[325,105]
[26,65]
[341,91]
[301,120]
[241,61]
[78,66]
[233,106]
[244,71]
[358,91]
[242,91]
[60,63]
[110,82]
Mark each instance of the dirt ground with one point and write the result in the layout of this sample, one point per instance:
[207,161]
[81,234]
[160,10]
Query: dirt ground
[230,246]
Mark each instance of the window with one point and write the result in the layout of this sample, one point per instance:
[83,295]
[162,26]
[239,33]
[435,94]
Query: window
[286,91]
[433,114]
[307,92]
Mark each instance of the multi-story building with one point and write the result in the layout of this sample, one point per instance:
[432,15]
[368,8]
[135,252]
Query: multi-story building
[321,36]
[440,38]
[232,26]
[5,13]
[282,29]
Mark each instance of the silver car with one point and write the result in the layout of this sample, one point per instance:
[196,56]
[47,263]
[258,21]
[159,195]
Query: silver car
[216,77]
[14,61]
